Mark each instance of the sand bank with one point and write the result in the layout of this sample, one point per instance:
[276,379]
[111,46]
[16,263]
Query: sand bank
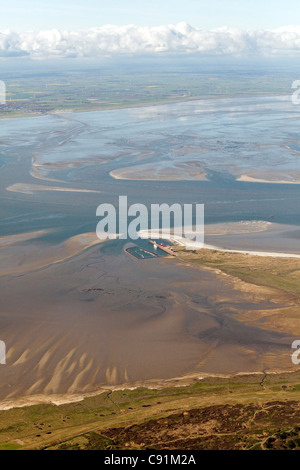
[21,237]
[252,179]
[160,171]
[195,245]
[20,259]
[31,188]
[223,229]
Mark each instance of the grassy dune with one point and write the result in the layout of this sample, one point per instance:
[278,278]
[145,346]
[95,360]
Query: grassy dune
[280,273]
[238,412]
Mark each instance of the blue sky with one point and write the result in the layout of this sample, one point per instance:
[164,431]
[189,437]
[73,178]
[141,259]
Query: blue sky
[23,15]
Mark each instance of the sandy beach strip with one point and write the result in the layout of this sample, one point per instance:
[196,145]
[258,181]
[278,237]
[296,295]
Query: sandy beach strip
[251,179]
[197,246]
[31,188]
[159,172]
[152,384]
[194,245]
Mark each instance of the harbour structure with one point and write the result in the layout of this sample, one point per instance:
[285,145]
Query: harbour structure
[166,249]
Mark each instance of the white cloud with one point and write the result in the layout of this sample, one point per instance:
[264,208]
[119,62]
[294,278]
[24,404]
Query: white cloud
[130,39]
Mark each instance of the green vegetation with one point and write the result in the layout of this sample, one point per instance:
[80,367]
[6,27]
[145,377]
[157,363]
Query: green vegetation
[281,273]
[237,412]
[90,90]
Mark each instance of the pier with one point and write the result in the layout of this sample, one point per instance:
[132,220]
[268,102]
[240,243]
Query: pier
[166,249]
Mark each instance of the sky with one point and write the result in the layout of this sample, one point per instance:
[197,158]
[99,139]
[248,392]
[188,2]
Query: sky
[21,15]
[42,29]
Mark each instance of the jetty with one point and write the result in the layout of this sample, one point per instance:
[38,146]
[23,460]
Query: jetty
[166,249]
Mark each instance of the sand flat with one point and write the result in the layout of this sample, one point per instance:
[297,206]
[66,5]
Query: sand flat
[74,328]
[19,259]
[252,179]
[30,188]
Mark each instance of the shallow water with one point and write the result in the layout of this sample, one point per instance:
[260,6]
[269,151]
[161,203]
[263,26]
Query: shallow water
[226,137]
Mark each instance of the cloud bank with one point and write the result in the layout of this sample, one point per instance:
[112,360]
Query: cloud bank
[172,39]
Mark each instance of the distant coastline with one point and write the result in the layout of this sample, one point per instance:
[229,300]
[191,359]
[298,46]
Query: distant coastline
[86,109]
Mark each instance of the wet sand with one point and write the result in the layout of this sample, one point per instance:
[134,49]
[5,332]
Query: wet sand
[30,188]
[260,238]
[263,238]
[177,171]
[252,179]
[18,259]
[94,321]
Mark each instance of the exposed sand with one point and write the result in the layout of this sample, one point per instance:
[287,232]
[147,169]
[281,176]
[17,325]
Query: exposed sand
[21,237]
[260,278]
[252,179]
[18,259]
[221,229]
[182,381]
[31,188]
[247,227]
[176,171]
[194,245]
[253,253]
[90,322]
